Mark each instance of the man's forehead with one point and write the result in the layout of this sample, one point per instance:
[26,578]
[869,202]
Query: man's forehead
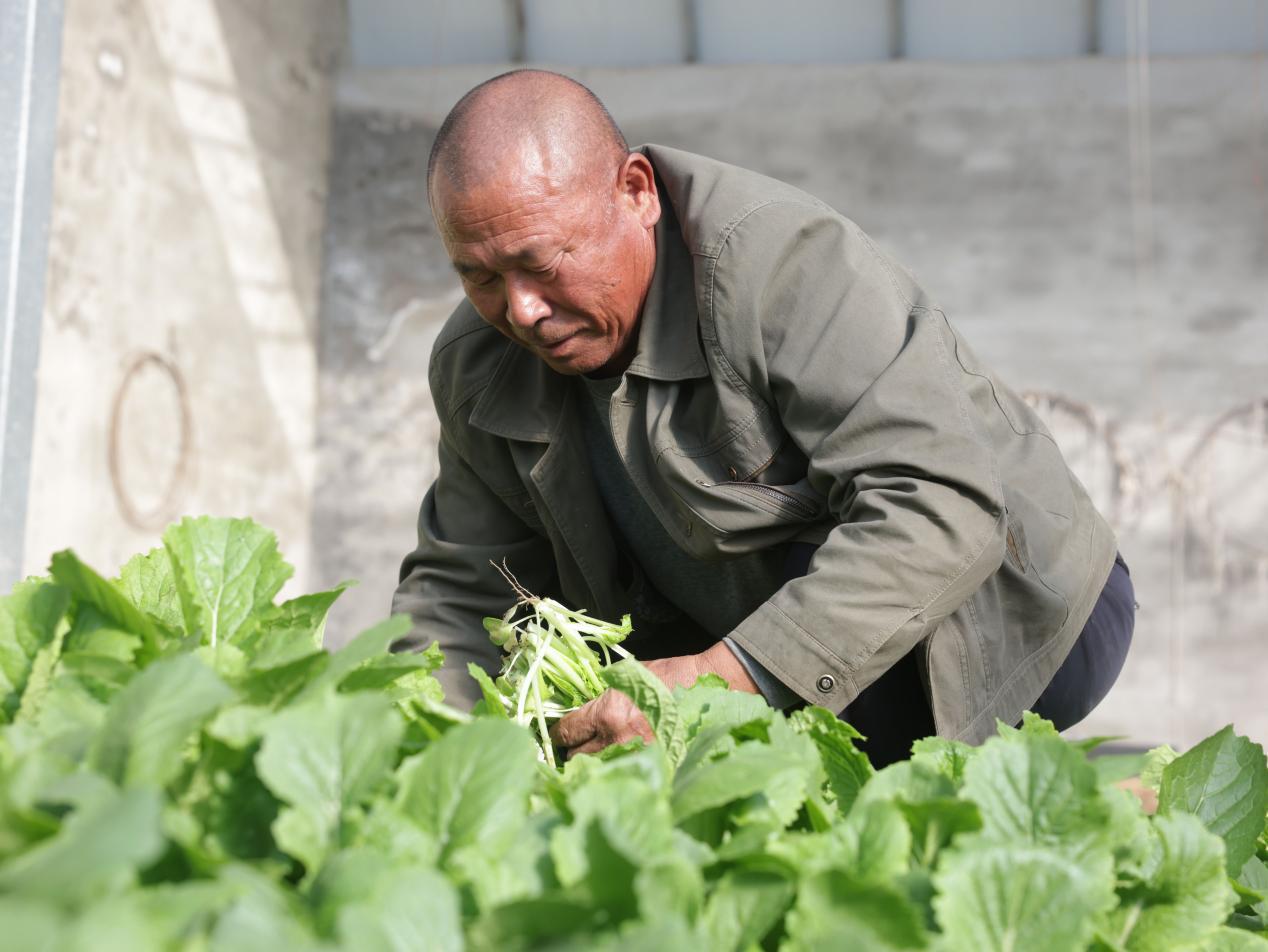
[534,251]
[522,221]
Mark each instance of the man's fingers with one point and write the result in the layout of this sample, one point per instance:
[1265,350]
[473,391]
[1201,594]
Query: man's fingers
[592,746]
[608,719]
[575,728]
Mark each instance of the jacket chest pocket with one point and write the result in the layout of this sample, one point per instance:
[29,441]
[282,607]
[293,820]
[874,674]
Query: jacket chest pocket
[748,486]
[520,502]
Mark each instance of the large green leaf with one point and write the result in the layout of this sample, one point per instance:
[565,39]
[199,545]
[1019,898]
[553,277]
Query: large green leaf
[935,822]
[619,850]
[1226,939]
[847,767]
[539,922]
[1009,898]
[875,843]
[671,887]
[323,757]
[1036,789]
[265,916]
[1254,876]
[1156,761]
[276,687]
[374,904]
[908,780]
[1181,892]
[603,875]
[654,699]
[416,910]
[32,925]
[150,584]
[119,923]
[1224,782]
[490,695]
[99,846]
[752,768]
[90,588]
[230,811]
[835,911]
[948,757]
[29,621]
[744,906]
[370,644]
[872,844]
[405,675]
[471,786]
[227,572]
[707,705]
[149,722]
[284,628]
[148,919]
[501,872]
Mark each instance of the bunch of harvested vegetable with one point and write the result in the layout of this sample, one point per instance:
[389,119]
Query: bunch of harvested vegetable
[553,659]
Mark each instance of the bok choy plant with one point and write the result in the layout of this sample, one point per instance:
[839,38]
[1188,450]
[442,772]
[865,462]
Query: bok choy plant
[184,766]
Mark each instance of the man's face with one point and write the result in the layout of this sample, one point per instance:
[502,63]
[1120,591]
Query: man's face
[559,267]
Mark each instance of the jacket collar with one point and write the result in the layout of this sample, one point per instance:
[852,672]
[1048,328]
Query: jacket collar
[669,328]
[525,399]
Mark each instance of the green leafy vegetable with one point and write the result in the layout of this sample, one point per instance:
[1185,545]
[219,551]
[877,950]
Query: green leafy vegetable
[184,766]
[1224,782]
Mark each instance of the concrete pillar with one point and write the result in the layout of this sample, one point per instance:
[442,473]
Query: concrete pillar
[30,52]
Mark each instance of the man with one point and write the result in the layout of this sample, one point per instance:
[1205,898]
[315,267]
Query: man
[688,391]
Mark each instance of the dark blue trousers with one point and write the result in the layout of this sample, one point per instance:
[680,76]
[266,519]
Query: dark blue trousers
[892,711]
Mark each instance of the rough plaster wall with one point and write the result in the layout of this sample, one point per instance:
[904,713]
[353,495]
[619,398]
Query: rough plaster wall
[178,366]
[1101,242]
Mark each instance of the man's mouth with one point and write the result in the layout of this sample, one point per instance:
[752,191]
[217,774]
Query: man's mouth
[556,344]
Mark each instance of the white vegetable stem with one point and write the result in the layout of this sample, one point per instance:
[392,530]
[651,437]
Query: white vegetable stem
[554,659]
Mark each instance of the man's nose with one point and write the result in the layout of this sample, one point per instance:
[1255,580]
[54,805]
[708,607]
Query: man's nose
[525,305]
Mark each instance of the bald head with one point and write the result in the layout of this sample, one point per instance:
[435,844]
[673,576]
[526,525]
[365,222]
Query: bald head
[548,218]
[526,116]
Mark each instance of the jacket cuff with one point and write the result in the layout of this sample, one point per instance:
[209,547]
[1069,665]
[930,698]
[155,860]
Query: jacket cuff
[780,646]
[778,695]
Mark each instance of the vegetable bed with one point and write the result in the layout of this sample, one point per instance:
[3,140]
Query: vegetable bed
[183,767]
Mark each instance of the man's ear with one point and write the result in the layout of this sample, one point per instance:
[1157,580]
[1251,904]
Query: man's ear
[637,183]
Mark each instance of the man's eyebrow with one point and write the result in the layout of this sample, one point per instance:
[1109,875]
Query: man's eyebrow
[529,254]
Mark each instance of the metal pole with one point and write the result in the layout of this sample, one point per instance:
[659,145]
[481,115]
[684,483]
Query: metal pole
[30,63]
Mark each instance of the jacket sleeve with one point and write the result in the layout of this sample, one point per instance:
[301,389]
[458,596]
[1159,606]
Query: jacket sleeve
[866,381]
[448,584]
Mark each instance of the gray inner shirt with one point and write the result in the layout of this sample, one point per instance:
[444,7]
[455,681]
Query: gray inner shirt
[717,596]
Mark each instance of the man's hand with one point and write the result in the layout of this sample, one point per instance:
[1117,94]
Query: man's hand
[613,718]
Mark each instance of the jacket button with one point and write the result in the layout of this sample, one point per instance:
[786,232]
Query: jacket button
[826,683]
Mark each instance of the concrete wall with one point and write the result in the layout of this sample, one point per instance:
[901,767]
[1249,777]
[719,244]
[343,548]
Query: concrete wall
[1101,240]
[178,368]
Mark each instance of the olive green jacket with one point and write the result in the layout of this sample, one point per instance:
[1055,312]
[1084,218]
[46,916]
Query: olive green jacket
[790,382]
